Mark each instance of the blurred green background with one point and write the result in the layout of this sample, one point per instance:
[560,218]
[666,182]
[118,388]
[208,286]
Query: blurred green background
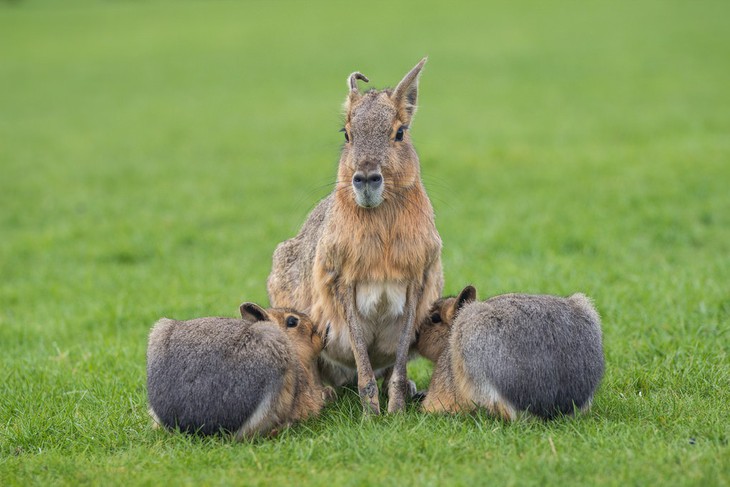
[152,155]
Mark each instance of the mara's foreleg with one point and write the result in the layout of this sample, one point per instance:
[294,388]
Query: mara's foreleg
[399,387]
[366,383]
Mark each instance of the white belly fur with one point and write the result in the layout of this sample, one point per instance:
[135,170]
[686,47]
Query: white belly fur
[375,299]
[380,306]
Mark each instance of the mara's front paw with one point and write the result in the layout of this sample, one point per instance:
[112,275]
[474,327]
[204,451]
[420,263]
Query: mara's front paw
[369,398]
[399,390]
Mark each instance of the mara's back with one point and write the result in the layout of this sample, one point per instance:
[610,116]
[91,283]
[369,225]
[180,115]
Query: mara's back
[290,283]
[542,353]
[209,374]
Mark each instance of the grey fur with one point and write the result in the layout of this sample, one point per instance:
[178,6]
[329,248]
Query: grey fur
[210,374]
[542,353]
[245,376]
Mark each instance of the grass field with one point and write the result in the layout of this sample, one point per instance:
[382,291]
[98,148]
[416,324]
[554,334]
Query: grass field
[152,155]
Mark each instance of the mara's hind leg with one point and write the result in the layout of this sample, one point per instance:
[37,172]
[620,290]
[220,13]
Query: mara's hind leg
[444,403]
[443,397]
[273,410]
[482,393]
[586,406]
[329,395]
[261,422]
[489,398]
[156,422]
[502,409]
[386,374]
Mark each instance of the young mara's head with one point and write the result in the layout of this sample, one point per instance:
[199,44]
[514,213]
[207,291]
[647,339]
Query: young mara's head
[308,338]
[433,335]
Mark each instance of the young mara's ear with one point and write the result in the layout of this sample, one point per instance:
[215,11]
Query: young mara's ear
[253,312]
[354,93]
[405,94]
[467,295]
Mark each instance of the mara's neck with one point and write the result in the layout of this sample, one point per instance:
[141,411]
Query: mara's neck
[308,375]
[442,366]
[393,242]
[399,204]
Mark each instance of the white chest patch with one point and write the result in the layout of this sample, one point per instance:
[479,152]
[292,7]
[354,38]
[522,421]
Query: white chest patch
[381,298]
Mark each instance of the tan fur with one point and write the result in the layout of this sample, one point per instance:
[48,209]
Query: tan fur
[447,392]
[433,342]
[303,394]
[386,255]
[443,396]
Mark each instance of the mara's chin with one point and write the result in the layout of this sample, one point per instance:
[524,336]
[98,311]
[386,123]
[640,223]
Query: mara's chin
[365,202]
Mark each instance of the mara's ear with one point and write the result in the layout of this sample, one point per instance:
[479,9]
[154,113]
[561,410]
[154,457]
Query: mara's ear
[253,312]
[405,95]
[467,295]
[354,93]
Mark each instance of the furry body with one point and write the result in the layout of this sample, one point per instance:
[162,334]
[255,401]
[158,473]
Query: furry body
[367,260]
[237,375]
[513,353]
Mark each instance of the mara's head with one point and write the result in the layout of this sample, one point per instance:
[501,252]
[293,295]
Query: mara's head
[308,338]
[433,335]
[378,158]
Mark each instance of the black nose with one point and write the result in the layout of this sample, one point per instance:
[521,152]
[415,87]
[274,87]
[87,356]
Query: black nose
[373,180]
[358,180]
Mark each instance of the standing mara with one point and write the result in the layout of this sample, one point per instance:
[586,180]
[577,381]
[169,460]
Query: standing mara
[367,261]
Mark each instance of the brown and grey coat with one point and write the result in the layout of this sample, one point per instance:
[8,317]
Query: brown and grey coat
[367,259]
[245,376]
[512,353]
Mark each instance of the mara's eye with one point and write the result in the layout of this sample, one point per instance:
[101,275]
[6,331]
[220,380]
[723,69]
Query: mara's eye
[347,137]
[399,133]
[291,321]
[435,318]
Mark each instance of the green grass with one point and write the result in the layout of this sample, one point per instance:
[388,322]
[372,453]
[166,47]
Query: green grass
[153,154]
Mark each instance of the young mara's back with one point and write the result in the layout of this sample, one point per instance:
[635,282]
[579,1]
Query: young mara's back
[541,353]
[209,374]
